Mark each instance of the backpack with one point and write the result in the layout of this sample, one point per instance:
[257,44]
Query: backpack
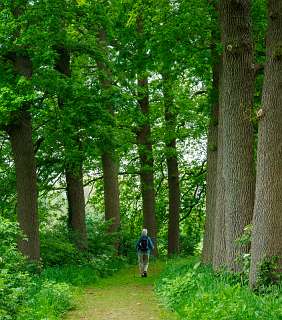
[143,244]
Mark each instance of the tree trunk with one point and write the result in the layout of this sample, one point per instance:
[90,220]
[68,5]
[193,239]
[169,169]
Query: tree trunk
[237,92]
[146,162]
[20,133]
[110,165]
[212,149]
[172,168]
[73,172]
[219,242]
[76,206]
[111,191]
[267,223]
[144,137]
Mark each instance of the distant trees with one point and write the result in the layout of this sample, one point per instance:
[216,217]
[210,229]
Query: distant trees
[170,114]
[78,98]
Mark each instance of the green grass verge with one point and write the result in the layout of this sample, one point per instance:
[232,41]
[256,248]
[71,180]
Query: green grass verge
[54,292]
[196,293]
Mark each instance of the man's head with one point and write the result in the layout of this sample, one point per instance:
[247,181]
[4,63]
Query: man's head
[144,232]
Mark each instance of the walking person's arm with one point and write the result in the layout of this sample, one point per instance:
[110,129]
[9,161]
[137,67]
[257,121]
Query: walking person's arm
[151,244]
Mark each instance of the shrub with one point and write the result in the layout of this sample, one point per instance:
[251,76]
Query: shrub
[27,295]
[46,300]
[56,248]
[14,279]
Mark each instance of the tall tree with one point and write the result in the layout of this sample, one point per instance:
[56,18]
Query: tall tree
[172,166]
[146,161]
[219,258]
[236,98]
[20,133]
[109,158]
[212,155]
[144,140]
[73,168]
[267,222]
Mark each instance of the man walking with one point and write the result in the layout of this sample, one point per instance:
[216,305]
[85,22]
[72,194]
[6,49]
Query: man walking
[144,247]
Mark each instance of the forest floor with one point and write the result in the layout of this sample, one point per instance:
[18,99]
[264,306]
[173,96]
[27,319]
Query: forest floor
[125,295]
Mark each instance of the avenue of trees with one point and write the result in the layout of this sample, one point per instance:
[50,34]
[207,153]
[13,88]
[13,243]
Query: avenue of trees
[159,114]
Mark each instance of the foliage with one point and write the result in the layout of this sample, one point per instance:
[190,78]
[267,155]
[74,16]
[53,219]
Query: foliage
[244,260]
[269,273]
[195,292]
[14,279]
[56,249]
[27,295]
[47,300]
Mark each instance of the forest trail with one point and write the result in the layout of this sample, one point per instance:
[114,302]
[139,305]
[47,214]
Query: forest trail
[123,296]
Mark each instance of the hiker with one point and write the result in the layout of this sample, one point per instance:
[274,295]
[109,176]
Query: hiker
[144,247]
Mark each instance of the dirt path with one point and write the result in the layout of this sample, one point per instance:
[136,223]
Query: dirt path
[125,296]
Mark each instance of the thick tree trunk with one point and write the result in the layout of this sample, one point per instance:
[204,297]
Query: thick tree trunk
[111,191]
[237,92]
[73,172]
[76,206]
[146,162]
[212,149]
[20,134]
[267,222]
[172,168]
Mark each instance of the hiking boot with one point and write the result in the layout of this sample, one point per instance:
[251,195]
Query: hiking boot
[145,274]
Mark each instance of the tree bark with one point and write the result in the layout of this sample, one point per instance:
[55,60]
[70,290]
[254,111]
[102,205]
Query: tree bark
[146,162]
[143,135]
[267,222]
[212,150]
[172,168]
[111,191]
[76,206]
[73,172]
[110,164]
[237,92]
[219,241]
[20,133]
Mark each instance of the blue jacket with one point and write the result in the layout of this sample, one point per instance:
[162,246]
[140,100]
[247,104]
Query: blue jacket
[150,244]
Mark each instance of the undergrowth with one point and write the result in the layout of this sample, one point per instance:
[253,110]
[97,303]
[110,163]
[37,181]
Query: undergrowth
[196,293]
[29,292]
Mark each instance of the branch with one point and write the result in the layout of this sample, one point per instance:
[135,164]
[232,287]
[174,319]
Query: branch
[198,93]
[38,144]
[193,205]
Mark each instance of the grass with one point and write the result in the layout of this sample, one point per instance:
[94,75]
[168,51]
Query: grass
[124,296]
[196,293]
[189,290]
[52,293]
